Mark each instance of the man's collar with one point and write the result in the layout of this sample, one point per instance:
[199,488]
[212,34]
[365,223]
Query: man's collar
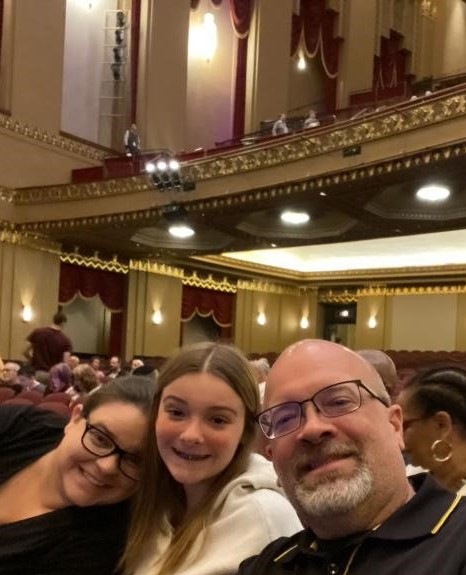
[424,514]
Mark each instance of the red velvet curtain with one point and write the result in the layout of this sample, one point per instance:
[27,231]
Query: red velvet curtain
[87,282]
[195,4]
[208,303]
[240,11]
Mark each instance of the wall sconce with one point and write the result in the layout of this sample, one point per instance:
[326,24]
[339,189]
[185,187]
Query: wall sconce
[209,36]
[26,313]
[372,323]
[261,319]
[157,317]
[304,323]
[301,65]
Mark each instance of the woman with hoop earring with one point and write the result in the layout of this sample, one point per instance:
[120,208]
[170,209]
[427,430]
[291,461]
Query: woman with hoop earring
[434,424]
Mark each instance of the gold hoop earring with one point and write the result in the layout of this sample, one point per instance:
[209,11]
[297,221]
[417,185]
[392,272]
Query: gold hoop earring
[434,447]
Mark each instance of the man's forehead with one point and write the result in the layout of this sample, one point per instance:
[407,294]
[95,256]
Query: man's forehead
[315,365]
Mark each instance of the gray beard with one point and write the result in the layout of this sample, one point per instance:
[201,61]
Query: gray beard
[334,494]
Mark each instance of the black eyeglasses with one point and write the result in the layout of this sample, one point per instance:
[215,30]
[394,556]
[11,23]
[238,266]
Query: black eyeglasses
[332,401]
[99,443]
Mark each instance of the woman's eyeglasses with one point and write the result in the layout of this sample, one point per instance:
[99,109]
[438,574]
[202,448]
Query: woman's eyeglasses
[100,444]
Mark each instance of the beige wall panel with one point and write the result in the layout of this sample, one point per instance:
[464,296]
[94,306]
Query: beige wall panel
[46,165]
[211,84]
[355,69]
[243,314]
[424,322]
[37,72]
[28,277]
[268,61]
[461,323]
[163,73]
[366,337]
[147,293]
[449,46]
[164,293]
[306,87]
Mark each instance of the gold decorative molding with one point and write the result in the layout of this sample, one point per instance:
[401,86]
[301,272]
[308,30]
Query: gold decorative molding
[95,263]
[270,288]
[331,296]
[297,147]
[224,285]
[76,192]
[155,268]
[9,235]
[55,140]
[351,296]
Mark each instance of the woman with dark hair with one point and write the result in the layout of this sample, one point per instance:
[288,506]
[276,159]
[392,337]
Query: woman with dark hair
[434,423]
[63,484]
[205,502]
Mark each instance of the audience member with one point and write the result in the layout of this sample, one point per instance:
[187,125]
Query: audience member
[84,382]
[434,425]
[280,127]
[260,368]
[335,442]
[59,378]
[73,361]
[27,378]
[48,346]
[96,366]
[115,369]
[10,373]
[63,485]
[384,366]
[311,121]
[219,502]
[135,363]
[132,141]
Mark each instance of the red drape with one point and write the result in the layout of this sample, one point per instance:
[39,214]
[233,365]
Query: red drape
[240,11]
[109,286]
[296,30]
[195,4]
[390,79]
[205,302]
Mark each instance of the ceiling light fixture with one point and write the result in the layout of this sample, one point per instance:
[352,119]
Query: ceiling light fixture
[295,218]
[181,231]
[433,193]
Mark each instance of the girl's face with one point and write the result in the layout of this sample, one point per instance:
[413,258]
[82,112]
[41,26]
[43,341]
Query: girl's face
[199,426]
[85,479]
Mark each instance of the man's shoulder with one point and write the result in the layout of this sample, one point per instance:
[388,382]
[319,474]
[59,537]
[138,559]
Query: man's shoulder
[268,561]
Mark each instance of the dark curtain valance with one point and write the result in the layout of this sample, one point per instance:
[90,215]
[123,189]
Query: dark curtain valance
[88,283]
[207,303]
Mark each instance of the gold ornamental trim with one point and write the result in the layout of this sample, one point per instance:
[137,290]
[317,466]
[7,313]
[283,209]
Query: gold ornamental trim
[224,285]
[77,192]
[156,268]
[57,141]
[429,9]
[9,235]
[94,262]
[352,296]
[301,146]
[268,287]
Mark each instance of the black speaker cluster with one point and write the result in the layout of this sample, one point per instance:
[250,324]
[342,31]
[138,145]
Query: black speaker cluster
[116,66]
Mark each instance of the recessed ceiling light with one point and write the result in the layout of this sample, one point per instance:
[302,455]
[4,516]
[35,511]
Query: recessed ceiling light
[433,193]
[322,193]
[182,231]
[294,218]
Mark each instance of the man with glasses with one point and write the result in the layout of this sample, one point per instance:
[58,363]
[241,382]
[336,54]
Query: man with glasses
[336,442]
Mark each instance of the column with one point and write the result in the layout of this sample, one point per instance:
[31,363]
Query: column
[163,49]
[268,62]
